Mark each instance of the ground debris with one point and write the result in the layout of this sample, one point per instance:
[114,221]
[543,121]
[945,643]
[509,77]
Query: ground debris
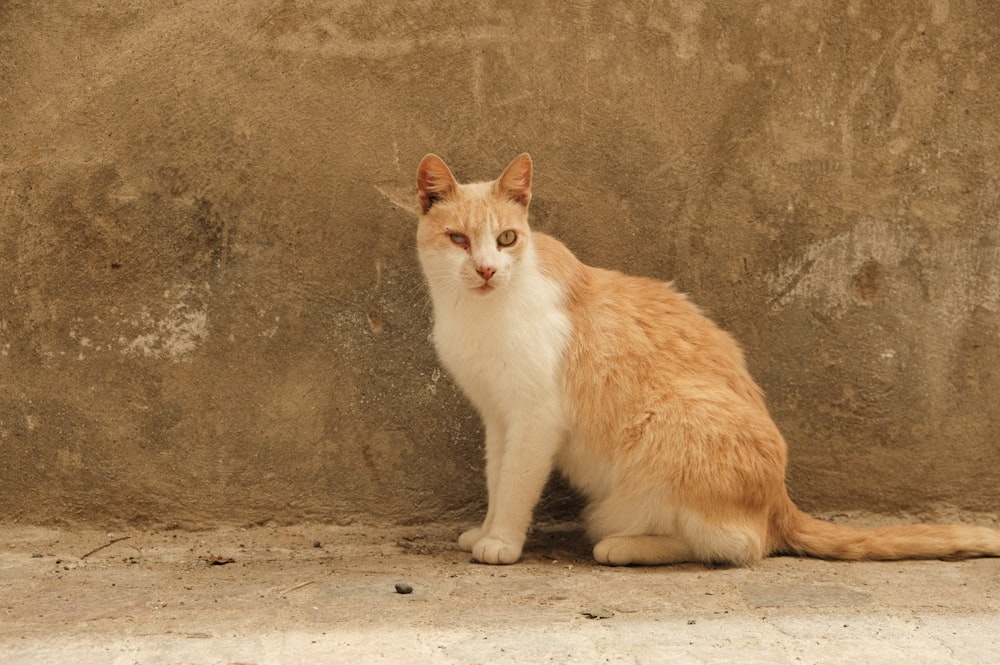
[108,544]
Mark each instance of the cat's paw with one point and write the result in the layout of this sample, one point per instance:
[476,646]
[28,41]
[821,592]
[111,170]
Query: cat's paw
[643,551]
[470,538]
[495,551]
[612,552]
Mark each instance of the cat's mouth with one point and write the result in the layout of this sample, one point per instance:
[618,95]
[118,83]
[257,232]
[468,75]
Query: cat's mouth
[485,287]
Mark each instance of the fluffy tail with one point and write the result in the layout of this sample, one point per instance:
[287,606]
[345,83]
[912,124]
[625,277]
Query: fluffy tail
[804,535]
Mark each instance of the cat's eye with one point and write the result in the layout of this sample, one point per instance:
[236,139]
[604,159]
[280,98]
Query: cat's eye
[458,239]
[507,238]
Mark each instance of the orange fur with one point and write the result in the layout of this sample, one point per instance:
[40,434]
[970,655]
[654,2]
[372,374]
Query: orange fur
[642,402]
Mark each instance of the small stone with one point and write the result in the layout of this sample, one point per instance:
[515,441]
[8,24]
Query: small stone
[403,588]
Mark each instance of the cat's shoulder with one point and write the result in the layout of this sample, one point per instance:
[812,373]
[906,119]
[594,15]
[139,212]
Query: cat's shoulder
[556,260]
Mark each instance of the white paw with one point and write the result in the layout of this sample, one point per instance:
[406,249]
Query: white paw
[470,538]
[612,552]
[493,550]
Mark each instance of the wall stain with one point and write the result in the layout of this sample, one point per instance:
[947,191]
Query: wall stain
[866,285]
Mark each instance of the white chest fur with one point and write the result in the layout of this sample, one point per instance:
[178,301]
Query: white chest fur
[505,348]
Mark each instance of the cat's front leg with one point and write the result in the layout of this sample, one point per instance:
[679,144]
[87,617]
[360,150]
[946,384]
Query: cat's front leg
[470,537]
[495,435]
[517,483]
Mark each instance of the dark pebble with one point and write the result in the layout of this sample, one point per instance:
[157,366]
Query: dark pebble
[404,588]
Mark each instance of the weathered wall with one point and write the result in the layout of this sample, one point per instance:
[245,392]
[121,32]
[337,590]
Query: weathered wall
[210,306]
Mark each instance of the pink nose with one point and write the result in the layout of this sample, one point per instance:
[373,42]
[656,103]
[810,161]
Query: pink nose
[486,272]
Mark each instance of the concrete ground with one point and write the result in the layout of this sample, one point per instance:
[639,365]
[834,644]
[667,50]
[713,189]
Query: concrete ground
[324,594]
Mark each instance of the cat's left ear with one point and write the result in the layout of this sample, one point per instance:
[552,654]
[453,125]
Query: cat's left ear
[515,183]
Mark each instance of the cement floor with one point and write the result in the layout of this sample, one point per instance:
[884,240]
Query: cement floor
[323,594]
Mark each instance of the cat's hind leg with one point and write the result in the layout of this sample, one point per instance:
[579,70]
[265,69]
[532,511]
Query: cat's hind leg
[651,534]
[637,533]
[643,551]
[731,547]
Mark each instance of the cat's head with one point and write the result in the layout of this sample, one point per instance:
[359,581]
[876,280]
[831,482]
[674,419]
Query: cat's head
[471,237]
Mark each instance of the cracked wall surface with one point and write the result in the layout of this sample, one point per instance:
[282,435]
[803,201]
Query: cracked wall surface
[210,304]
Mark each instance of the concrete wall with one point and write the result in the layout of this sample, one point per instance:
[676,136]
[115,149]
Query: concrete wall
[210,305]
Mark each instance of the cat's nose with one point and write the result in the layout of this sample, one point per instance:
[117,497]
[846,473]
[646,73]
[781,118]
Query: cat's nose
[486,272]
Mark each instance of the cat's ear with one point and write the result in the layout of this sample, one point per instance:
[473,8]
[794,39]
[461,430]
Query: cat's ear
[434,182]
[515,183]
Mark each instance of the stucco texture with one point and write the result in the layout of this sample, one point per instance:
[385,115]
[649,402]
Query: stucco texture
[210,305]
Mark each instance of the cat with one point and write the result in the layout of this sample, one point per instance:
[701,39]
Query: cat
[624,386]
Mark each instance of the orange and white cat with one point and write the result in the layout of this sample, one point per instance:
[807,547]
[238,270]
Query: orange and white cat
[620,383]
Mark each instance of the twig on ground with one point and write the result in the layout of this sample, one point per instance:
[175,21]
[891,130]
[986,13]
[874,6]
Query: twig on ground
[297,586]
[109,544]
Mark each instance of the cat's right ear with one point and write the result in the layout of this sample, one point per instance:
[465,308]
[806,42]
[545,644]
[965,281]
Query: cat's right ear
[434,182]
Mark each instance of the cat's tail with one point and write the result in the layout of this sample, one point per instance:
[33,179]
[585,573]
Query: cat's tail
[804,535]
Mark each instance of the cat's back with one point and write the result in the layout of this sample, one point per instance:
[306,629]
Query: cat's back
[625,309]
[633,333]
